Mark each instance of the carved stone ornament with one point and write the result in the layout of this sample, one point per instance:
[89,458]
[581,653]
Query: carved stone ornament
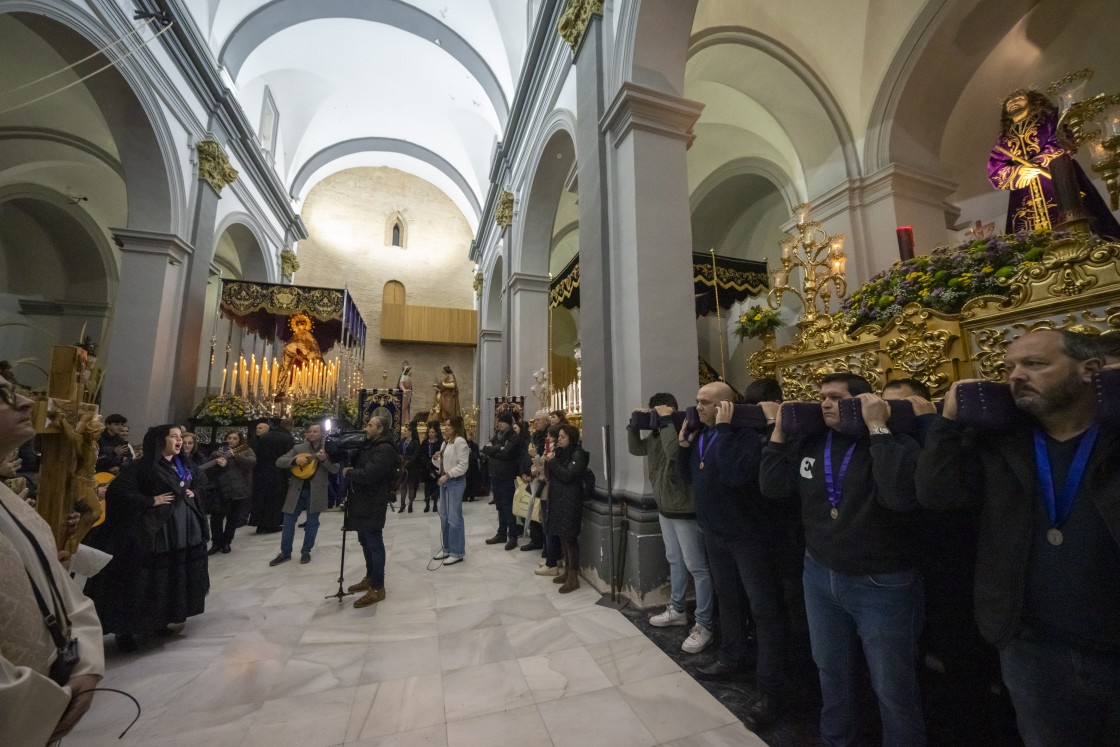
[213,165]
[478,280]
[573,22]
[919,350]
[289,264]
[503,213]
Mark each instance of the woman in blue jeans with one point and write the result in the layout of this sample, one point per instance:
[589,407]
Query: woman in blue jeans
[454,458]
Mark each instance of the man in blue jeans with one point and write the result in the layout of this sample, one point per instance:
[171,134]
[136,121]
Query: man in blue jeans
[504,454]
[371,481]
[676,512]
[858,506]
[311,469]
[1048,537]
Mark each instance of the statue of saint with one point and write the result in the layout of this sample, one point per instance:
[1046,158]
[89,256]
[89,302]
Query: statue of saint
[1029,140]
[404,383]
[300,350]
[447,393]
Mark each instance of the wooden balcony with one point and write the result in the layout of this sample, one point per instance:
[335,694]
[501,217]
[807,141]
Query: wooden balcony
[429,325]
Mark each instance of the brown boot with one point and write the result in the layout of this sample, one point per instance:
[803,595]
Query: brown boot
[362,585]
[571,584]
[372,596]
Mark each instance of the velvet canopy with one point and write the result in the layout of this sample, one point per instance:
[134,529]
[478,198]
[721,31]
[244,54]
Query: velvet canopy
[263,309]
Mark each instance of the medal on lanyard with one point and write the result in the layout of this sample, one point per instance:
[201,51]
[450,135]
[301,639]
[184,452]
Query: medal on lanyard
[835,485]
[703,450]
[1058,506]
[182,471]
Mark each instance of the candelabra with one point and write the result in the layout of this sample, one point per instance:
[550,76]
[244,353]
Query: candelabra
[821,260]
[1092,122]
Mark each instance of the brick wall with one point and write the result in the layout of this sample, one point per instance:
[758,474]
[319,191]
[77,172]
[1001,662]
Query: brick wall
[348,217]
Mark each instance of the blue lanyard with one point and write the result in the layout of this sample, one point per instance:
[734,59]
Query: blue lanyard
[1058,506]
[835,486]
[181,469]
[702,449]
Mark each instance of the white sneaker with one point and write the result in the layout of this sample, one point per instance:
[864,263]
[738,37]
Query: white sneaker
[452,560]
[698,639]
[441,555]
[669,618]
[544,570]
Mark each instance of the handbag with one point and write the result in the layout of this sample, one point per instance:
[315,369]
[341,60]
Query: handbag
[525,504]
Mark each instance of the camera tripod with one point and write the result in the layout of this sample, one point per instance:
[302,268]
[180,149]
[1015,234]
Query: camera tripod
[342,593]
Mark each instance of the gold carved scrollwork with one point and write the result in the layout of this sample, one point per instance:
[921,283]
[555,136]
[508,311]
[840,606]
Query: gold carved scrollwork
[802,381]
[991,345]
[761,363]
[918,350]
[503,213]
[213,165]
[1067,268]
[573,22]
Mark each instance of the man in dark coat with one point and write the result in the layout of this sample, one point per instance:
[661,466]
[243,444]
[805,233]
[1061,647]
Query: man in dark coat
[371,481]
[504,453]
[270,484]
[114,453]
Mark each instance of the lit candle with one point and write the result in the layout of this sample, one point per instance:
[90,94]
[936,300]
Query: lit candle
[275,375]
[222,387]
[905,242]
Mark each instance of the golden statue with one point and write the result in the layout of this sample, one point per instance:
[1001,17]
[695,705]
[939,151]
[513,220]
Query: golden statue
[81,486]
[300,350]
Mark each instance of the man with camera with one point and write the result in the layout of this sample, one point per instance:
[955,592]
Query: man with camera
[1048,549]
[858,507]
[371,476]
[51,653]
[311,466]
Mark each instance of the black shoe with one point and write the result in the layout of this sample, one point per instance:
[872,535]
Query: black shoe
[496,539]
[427,508]
[304,557]
[491,503]
[214,550]
[512,544]
[281,558]
[410,507]
[301,526]
[126,643]
[226,549]
[719,671]
[764,712]
[531,546]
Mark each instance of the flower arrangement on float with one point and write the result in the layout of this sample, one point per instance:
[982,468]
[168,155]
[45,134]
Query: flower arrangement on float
[226,409]
[348,409]
[758,321]
[311,410]
[947,278]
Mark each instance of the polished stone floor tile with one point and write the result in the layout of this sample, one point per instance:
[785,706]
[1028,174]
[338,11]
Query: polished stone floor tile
[518,727]
[487,688]
[674,706]
[473,647]
[631,659]
[732,735]
[562,674]
[598,718]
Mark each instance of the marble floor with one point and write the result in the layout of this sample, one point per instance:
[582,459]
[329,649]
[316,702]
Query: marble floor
[480,653]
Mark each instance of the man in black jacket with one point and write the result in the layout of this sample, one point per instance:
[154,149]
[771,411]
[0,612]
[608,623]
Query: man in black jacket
[114,452]
[270,484]
[858,506]
[739,530]
[504,453]
[1048,552]
[371,480]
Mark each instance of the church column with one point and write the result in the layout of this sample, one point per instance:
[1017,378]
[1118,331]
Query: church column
[528,330]
[214,174]
[140,360]
[489,378]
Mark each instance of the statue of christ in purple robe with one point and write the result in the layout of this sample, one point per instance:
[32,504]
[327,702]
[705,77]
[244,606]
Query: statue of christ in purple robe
[1029,141]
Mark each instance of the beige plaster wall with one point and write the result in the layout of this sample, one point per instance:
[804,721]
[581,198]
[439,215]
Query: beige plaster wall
[349,246]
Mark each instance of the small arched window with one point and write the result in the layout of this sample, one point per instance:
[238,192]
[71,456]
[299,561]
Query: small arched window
[397,234]
[396,230]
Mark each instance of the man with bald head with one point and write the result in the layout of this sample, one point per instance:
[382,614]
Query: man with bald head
[739,527]
[1048,546]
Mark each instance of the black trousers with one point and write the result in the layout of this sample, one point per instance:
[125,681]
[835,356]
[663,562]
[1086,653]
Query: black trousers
[748,583]
[223,526]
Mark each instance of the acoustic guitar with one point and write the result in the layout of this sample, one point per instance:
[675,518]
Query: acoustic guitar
[307,471]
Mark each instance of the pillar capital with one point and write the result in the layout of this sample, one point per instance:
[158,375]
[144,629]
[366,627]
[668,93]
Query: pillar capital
[520,282]
[131,241]
[213,165]
[637,107]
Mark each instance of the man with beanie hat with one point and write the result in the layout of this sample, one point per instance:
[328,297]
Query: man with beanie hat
[504,453]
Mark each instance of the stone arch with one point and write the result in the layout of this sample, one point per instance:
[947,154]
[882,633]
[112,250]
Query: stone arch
[151,172]
[742,166]
[546,184]
[493,295]
[946,45]
[279,14]
[753,39]
[652,43]
[256,261]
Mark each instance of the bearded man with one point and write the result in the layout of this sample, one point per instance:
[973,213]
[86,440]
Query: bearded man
[1048,551]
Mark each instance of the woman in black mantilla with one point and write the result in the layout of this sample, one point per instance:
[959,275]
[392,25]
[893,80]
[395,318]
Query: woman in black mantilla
[156,531]
[565,466]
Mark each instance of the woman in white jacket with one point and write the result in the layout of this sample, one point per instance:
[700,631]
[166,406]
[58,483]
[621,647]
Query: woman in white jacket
[454,457]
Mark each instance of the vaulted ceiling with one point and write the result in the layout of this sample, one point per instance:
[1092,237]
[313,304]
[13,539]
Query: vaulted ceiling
[424,86]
